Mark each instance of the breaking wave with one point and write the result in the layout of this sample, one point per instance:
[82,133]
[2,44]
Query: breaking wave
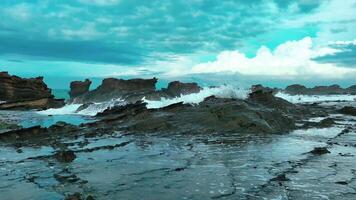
[315,98]
[221,92]
[92,110]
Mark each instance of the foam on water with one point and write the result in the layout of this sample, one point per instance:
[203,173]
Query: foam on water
[91,110]
[221,92]
[315,98]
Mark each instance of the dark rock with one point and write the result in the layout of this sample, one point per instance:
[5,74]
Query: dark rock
[176,88]
[90,197]
[112,88]
[342,182]
[24,94]
[295,89]
[65,156]
[317,90]
[281,178]
[78,88]
[75,196]
[84,106]
[319,151]
[352,90]
[348,110]
[261,88]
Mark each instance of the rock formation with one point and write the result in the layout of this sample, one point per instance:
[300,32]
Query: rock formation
[78,88]
[297,89]
[131,90]
[23,94]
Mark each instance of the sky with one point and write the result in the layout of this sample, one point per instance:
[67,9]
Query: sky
[275,42]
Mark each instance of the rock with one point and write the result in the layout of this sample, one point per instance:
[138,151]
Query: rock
[176,88]
[75,196]
[256,88]
[39,104]
[84,106]
[348,110]
[112,88]
[24,94]
[319,151]
[295,89]
[352,90]
[65,156]
[281,178]
[78,88]
[318,90]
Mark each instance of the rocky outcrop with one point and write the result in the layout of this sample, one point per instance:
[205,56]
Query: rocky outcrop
[23,94]
[352,90]
[112,88]
[259,87]
[348,110]
[319,90]
[131,90]
[177,88]
[78,88]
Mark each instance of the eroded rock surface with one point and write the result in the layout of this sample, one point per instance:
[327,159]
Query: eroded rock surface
[25,94]
[131,90]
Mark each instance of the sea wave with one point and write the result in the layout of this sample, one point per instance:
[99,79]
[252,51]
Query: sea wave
[315,98]
[92,110]
[220,92]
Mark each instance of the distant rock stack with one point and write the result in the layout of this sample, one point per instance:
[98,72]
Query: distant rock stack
[131,90]
[24,94]
[78,88]
[297,89]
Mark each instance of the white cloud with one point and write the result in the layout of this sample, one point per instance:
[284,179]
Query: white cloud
[290,59]
[86,32]
[100,2]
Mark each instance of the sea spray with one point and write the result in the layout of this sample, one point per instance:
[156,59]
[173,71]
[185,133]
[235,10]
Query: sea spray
[315,98]
[195,98]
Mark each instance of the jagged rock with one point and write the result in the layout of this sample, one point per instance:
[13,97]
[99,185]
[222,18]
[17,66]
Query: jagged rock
[84,106]
[112,88]
[131,90]
[24,94]
[78,88]
[259,87]
[319,151]
[65,156]
[297,89]
[176,88]
[348,110]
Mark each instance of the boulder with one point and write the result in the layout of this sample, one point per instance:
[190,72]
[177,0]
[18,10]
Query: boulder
[78,88]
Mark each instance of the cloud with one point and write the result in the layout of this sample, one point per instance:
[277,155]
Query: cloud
[292,59]
[346,55]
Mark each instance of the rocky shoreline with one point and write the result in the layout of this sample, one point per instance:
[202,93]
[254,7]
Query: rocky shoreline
[261,114]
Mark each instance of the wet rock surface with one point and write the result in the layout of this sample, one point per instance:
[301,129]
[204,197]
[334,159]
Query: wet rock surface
[26,94]
[78,88]
[262,147]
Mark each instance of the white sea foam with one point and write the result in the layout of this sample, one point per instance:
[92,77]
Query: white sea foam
[1,102]
[221,92]
[315,98]
[91,110]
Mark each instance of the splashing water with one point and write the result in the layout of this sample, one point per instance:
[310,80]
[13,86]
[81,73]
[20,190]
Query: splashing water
[220,92]
[91,110]
[315,98]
